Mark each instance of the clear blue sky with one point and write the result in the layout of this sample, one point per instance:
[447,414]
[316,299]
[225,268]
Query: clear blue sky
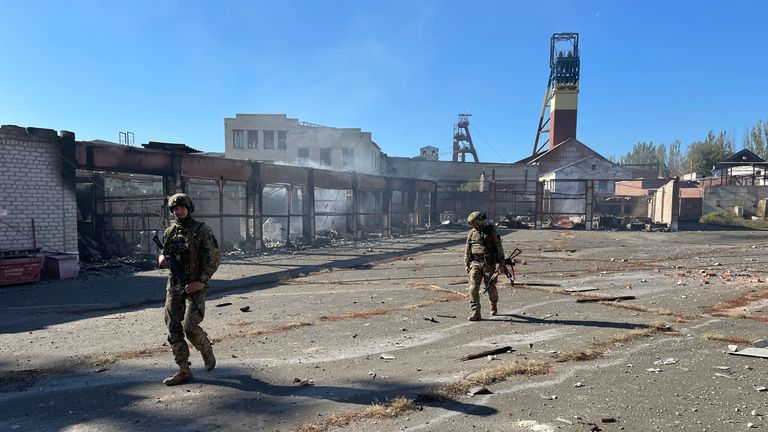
[173,70]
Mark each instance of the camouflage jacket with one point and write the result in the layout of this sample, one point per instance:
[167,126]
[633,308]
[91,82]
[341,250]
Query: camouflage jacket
[483,246]
[194,249]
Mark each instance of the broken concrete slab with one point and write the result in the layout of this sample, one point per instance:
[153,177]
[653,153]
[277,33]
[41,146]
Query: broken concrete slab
[752,352]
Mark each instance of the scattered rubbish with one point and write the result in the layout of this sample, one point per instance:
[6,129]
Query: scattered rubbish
[372,374]
[245,309]
[501,350]
[723,368]
[478,390]
[445,316]
[760,388]
[654,370]
[387,357]
[742,274]
[224,304]
[101,370]
[756,413]
[760,343]
[733,348]
[752,426]
[722,375]
[562,420]
[578,384]
[607,420]
[553,397]
[559,250]
[666,361]
[545,317]
[752,352]
[429,318]
[599,299]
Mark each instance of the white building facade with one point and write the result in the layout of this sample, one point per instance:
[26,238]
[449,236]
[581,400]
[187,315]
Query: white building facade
[277,138]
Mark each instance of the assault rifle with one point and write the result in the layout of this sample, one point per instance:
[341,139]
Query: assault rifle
[509,263]
[176,273]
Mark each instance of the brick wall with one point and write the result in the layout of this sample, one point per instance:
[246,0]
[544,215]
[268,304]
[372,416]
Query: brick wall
[37,181]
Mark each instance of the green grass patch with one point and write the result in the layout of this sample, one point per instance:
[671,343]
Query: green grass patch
[732,220]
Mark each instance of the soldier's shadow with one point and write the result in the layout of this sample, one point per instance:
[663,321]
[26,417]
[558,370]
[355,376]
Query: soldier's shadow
[362,393]
[524,319]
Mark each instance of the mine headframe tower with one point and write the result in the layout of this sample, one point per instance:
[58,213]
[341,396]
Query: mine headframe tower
[462,140]
[561,96]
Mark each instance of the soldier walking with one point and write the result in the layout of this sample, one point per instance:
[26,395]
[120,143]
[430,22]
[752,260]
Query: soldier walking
[193,248]
[482,253]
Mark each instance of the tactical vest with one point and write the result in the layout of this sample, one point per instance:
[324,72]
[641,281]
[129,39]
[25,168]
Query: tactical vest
[483,246]
[183,248]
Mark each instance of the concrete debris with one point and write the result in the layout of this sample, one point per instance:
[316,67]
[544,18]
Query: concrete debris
[654,370]
[752,426]
[372,374]
[580,289]
[756,413]
[722,368]
[387,357]
[553,397]
[578,384]
[760,388]
[245,309]
[304,382]
[722,375]
[666,361]
[599,299]
[752,352]
[733,348]
[478,390]
[562,420]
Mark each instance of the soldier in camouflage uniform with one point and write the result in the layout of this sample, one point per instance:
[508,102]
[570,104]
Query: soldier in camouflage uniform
[482,253]
[192,245]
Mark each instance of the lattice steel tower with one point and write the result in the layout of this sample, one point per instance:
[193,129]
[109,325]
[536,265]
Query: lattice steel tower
[462,140]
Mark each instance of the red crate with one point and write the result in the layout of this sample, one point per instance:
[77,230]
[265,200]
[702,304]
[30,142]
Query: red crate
[19,270]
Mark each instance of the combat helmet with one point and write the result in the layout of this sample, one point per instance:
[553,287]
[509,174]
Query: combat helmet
[181,199]
[476,217]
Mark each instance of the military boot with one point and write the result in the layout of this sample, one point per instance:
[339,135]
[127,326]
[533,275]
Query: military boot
[475,315]
[494,309]
[183,375]
[208,358]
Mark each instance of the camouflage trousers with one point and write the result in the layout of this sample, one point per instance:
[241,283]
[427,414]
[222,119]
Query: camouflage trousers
[479,275]
[182,318]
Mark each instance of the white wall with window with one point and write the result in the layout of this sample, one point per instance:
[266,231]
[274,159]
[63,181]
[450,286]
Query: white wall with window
[277,138]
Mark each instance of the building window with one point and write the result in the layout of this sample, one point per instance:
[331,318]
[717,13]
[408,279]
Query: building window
[325,156]
[253,139]
[303,156]
[602,186]
[282,140]
[348,158]
[269,140]
[238,138]
[594,167]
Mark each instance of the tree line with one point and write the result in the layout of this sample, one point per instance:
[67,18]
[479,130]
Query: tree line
[700,156]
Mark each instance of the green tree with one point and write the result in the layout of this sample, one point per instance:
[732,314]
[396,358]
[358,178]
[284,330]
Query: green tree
[757,139]
[675,159]
[704,155]
[649,154]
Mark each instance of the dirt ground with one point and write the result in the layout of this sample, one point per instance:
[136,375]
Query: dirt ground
[370,336]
